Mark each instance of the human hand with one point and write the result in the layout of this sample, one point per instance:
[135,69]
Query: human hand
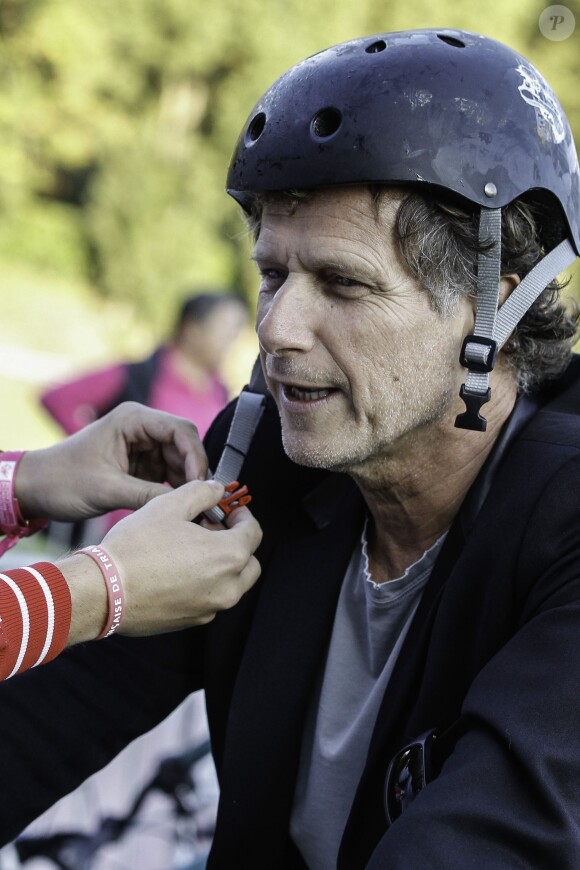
[175,573]
[119,461]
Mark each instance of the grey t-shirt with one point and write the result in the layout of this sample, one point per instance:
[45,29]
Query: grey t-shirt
[370,625]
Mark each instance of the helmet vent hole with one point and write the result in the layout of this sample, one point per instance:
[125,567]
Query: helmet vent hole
[375,47]
[325,123]
[255,128]
[450,40]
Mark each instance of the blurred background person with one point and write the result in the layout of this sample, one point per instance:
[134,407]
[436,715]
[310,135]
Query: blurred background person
[181,377]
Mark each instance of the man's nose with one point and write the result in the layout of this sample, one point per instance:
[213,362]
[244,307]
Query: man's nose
[286,321]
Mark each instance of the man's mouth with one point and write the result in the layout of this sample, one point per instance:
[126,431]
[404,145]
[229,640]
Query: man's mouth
[306,395]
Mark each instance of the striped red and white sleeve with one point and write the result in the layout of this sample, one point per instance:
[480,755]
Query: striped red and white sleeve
[35,616]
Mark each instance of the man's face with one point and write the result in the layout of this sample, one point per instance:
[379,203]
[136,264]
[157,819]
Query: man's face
[354,353]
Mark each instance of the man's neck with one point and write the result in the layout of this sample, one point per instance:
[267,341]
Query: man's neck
[414,494]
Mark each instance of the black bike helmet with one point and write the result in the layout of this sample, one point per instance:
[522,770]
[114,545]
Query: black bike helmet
[445,108]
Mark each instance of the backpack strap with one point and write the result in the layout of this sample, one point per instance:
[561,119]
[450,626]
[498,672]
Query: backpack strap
[249,409]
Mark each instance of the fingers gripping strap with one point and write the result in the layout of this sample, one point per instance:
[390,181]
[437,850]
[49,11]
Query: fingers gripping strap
[249,409]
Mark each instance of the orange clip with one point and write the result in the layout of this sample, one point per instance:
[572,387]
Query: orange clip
[236,498]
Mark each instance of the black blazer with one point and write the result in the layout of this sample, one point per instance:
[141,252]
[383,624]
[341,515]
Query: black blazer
[495,644]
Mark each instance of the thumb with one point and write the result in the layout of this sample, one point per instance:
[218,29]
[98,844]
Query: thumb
[192,499]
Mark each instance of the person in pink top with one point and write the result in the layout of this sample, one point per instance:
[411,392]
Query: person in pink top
[180,377]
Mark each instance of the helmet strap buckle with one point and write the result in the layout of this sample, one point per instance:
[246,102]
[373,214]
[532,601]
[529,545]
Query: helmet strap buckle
[471,418]
[478,353]
[479,349]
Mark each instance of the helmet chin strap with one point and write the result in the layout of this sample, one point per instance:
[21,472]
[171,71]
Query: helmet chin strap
[479,350]
[493,327]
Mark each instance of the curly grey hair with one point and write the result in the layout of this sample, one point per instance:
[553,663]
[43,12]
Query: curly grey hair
[439,241]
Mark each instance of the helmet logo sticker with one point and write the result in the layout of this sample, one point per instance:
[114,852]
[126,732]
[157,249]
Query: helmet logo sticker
[536,93]
[418,98]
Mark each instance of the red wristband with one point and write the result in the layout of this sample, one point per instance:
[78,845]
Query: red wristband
[114,589]
[12,523]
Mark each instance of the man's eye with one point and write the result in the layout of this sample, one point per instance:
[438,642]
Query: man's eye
[271,279]
[342,281]
[272,275]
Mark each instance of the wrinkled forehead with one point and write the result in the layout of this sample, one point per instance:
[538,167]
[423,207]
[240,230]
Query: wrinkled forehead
[339,230]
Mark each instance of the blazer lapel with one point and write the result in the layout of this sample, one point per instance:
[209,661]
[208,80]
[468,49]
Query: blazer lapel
[285,650]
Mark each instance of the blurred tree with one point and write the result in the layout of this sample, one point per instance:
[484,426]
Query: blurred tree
[117,120]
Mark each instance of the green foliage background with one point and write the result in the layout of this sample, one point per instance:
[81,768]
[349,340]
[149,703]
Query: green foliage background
[117,120]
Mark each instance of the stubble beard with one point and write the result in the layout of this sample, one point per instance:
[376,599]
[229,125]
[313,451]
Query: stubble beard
[359,446]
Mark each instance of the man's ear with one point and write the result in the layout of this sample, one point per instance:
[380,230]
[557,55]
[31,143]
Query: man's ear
[506,285]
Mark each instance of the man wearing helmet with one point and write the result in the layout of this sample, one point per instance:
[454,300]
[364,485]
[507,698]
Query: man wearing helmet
[401,688]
